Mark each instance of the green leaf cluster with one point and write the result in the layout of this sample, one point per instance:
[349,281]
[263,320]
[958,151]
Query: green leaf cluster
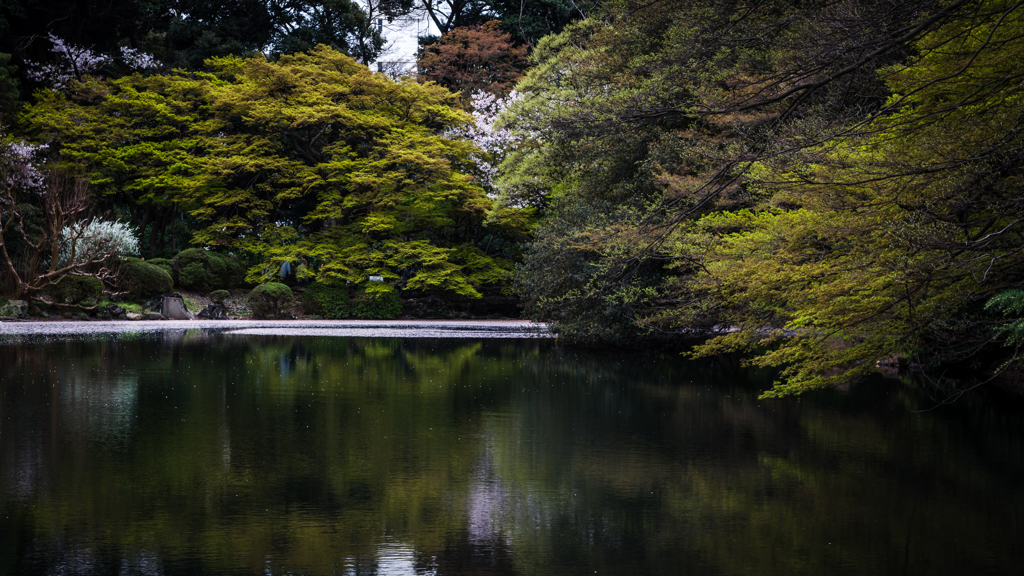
[708,172]
[888,241]
[310,156]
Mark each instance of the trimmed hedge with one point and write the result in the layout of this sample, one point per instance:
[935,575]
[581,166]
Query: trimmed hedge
[325,300]
[144,280]
[202,270]
[194,276]
[270,300]
[164,263]
[219,296]
[377,301]
[73,289]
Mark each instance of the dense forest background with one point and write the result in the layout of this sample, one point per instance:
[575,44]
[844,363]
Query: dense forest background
[825,186]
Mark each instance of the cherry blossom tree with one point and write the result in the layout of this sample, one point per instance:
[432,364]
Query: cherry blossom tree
[72,62]
[493,142]
[46,229]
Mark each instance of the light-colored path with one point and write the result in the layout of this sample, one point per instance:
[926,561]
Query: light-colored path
[368,328]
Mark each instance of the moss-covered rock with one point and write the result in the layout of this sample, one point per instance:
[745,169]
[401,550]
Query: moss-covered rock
[270,300]
[143,280]
[14,309]
[377,301]
[326,300]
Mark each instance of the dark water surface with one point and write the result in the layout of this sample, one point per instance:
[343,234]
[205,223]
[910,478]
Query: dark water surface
[205,453]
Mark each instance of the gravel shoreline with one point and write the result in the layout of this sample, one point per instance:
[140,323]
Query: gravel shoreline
[366,328]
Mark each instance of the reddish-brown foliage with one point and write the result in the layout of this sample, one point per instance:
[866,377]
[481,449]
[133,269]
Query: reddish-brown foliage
[474,58]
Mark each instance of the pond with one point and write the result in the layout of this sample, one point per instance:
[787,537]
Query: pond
[203,451]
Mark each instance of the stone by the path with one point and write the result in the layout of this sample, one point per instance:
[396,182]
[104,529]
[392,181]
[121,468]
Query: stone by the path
[152,316]
[133,316]
[174,308]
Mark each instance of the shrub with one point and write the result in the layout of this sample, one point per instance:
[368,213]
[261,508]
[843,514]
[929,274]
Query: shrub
[73,289]
[234,272]
[142,280]
[204,270]
[270,300]
[190,267]
[165,264]
[325,300]
[377,301]
[194,277]
[216,269]
[219,296]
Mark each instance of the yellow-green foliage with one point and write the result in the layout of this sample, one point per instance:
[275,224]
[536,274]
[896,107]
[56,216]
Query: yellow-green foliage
[312,155]
[880,241]
[704,169]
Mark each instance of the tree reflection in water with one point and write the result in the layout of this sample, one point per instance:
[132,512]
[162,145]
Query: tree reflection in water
[206,453]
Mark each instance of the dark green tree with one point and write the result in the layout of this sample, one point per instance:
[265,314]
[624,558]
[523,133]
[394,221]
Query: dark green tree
[9,93]
[666,141]
[202,29]
[183,33]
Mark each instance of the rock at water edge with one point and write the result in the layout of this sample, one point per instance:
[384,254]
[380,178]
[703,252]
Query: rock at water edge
[213,311]
[174,308]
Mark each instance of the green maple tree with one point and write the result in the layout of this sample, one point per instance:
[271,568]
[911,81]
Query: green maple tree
[312,156]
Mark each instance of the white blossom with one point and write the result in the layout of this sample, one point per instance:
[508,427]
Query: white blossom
[71,62]
[494,143]
[138,60]
[97,238]
[19,165]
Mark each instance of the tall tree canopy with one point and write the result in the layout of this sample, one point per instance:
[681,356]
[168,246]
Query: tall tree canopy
[309,156]
[838,177]
[888,239]
[527,21]
[183,33]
